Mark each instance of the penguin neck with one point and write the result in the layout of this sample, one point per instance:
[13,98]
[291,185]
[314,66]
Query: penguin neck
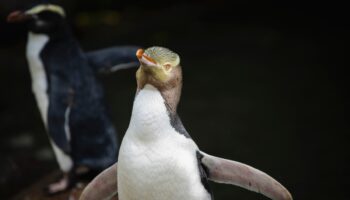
[150,118]
[55,52]
[36,43]
[170,91]
[59,31]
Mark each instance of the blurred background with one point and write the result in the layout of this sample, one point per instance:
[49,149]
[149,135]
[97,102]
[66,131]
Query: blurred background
[264,84]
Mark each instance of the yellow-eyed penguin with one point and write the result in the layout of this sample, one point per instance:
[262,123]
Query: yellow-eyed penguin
[158,160]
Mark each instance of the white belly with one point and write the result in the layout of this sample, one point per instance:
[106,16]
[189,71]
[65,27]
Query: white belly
[155,162]
[36,43]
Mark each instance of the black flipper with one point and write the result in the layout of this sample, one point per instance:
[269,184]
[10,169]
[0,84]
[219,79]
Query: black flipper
[57,116]
[113,59]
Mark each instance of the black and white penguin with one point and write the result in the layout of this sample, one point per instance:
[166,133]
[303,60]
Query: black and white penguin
[158,159]
[70,98]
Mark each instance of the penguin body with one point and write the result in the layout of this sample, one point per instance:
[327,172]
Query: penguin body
[159,162]
[78,120]
[35,45]
[68,94]
[69,97]
[158,159]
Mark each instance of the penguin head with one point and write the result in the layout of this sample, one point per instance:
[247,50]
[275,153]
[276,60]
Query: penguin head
[43,18]
[159,67]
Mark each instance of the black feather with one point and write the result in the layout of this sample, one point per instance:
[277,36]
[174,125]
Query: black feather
[204,173]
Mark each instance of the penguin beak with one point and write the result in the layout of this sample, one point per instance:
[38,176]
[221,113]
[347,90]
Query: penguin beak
[144,59]
[18,16]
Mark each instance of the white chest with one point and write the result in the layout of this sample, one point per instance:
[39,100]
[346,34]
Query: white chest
[36,42]
[155,162]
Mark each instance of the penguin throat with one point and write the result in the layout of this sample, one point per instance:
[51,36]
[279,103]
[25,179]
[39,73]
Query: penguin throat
[150,115]
[170,90]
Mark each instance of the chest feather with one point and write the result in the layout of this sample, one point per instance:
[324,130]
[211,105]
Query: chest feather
[36,42]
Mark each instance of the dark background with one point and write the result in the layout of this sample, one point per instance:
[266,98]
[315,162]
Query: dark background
[264,84]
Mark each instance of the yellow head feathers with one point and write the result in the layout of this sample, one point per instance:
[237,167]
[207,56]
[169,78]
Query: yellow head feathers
[46,7]
[163,56]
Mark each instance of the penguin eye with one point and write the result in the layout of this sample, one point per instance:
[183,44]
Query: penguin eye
[40,23]
[167,66]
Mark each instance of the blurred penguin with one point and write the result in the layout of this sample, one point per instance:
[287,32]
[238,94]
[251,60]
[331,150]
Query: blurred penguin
[70,98]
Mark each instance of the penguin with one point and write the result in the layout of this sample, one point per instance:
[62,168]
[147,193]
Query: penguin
[158,159]
[69,96]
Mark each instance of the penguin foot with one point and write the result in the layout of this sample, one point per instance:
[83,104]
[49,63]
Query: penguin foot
[59,186]
[80,175]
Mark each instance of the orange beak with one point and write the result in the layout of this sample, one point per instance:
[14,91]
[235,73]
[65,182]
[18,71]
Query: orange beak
[139,53]
[17,16]
[142,57]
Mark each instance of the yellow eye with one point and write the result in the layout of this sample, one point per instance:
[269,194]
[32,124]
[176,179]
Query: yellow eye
[167,66]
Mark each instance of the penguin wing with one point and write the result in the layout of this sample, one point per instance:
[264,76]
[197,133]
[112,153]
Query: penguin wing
[58,116]
[203,174]
[231,172]
[102,187]
[113,59]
